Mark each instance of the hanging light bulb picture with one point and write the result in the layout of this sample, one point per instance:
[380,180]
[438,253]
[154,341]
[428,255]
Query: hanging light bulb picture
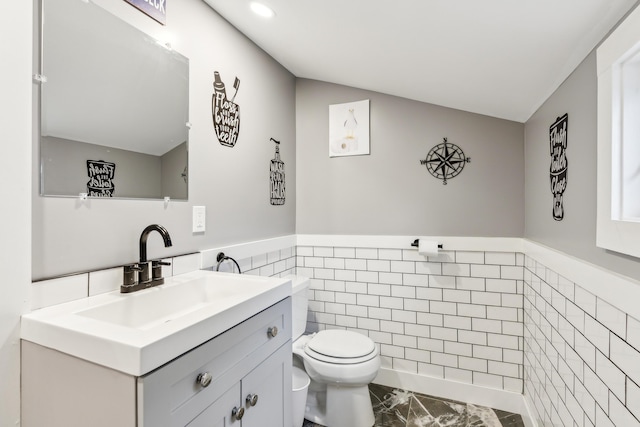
[349,129]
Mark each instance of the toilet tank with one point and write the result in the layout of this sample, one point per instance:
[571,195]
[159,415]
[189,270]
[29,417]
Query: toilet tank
[299,305]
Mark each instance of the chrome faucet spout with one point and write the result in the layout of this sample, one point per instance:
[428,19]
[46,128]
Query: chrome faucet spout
[145,234]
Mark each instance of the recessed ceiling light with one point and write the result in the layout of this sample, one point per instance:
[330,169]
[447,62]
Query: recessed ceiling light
[262,10]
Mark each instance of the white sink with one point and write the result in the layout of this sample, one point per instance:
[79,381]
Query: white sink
[138,332]
[144,310]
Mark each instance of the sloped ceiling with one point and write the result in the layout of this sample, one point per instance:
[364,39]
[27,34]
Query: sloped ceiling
[501,58]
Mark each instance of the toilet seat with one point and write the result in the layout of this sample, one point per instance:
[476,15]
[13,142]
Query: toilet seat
[340,347]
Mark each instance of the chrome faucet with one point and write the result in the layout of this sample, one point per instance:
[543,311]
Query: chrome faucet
[131,283]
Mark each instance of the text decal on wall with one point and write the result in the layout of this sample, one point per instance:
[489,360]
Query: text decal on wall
[558,169]
[101,176]
[277,177]
[226,113]
[155,9]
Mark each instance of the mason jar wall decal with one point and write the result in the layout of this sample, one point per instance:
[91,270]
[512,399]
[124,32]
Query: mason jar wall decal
[226,113]
[558,133]
[101,175]
[277,177]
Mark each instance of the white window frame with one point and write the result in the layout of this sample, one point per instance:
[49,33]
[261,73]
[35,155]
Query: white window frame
[612,232]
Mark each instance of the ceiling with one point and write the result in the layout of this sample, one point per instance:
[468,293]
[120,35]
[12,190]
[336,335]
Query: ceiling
[501,58]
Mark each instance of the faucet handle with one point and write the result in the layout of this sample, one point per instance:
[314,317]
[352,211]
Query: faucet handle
[129,274]
[156,269]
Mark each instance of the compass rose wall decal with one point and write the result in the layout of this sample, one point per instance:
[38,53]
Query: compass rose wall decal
[445,161]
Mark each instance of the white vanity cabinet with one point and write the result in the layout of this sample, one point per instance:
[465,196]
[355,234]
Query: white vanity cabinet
[253,358]
[256,401]
[213,384]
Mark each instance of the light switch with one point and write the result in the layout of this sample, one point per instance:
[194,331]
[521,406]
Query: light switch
[199,219]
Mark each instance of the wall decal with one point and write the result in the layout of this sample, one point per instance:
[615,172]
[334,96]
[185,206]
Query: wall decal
[445,161]
[558,133]
[101,176]
[155,9]
[226,113]
[349,129]
[277,177]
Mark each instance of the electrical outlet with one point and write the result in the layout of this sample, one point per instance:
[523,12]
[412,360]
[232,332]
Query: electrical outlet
[199,219]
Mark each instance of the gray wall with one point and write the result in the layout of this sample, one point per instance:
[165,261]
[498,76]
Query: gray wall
[233,183]
[576,233]
[390,192]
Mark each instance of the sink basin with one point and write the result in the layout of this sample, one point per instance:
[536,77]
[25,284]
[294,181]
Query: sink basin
[147,309]
[138,332]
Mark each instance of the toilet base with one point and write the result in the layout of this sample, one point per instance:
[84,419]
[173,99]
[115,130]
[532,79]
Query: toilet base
[348,406]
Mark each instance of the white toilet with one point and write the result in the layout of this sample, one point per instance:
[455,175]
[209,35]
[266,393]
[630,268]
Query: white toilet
[340,363]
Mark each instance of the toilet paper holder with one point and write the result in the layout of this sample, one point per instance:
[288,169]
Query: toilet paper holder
[416,243]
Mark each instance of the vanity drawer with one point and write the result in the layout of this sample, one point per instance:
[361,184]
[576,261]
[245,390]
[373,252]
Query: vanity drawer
[174,395]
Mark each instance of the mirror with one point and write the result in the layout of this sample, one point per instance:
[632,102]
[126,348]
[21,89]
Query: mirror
[113,107]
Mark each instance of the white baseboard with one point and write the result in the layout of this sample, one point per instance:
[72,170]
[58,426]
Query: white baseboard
[493,398]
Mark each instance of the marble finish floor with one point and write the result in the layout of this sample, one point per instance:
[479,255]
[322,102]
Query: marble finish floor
[400,408]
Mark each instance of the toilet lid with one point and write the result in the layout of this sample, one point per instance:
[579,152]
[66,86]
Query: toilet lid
[340,346]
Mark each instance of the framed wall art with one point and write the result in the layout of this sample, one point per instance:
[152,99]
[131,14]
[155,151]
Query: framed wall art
[349,129]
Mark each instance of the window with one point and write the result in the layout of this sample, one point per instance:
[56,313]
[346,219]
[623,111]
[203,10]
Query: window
[618,58]
[630,138]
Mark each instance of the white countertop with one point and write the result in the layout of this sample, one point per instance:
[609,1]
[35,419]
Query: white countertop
[138,332]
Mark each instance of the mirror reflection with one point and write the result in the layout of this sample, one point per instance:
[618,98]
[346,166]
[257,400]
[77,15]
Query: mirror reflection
[114,107]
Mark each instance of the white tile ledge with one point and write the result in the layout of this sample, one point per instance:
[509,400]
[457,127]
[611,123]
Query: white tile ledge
[74,286]
[449,243]
[248,249]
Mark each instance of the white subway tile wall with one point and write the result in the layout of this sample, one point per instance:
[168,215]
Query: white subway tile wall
[45,293]
[494,319]
[183,264]
[456,316]
[103,281]
[582,355]
[277,263]
[59,290]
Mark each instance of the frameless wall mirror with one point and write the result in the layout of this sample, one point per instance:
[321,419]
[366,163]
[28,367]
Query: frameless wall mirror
[113,108]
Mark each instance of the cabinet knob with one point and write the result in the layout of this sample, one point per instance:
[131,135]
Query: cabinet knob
[204,379]
[237,413]
[252,399]
[273,331]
